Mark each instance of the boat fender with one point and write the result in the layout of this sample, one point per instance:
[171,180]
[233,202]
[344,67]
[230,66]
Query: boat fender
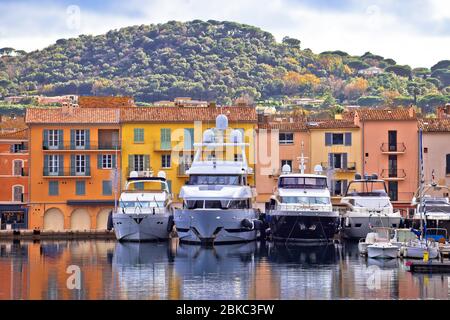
[247,224]
[109,224]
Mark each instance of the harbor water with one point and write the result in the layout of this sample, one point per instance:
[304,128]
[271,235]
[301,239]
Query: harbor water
[169,270]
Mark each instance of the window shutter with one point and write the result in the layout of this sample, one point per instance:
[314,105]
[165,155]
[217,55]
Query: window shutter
[113,161]
[188,138]
[130,163]
[332,186]
[88,165]
[344,187]
[11,148]
[61,165]
[146,162]
[348,139]
[328,138]
[45,139]
[344,161]
[88,139]
[72,164]
[72,139]
[45,165]
[61,139]
[99,161]
[330,160]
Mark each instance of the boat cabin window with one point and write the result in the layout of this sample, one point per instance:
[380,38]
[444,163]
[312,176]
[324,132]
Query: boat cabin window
[142,204]
[217,204]
[302,183]
[215,180]
[305,200]
[367,188]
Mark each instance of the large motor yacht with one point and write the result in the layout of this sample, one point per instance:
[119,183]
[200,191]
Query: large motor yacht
[145,210]
[300,209]
[367,205]
[217,200]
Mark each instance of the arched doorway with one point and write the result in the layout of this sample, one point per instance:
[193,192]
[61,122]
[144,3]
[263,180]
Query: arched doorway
[53,220]
[102,219]
[80,220]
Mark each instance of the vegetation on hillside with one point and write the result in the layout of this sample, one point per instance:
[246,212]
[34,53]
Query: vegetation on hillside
[214,60]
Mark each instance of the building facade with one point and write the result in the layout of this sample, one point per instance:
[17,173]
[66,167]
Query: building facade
[14,159]
[73,154]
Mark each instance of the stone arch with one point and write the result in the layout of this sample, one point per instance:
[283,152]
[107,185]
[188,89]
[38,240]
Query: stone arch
[102,219]
[53,219]
[80,220]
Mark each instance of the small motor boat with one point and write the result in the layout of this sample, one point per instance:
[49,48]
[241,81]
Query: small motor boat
[382,250]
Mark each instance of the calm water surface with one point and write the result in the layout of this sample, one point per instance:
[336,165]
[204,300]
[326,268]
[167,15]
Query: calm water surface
[111,270]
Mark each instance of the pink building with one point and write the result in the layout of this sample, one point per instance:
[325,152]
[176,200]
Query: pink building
[390,149]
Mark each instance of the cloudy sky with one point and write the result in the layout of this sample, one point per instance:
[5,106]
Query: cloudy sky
[415,32]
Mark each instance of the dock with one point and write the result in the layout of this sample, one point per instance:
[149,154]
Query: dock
[55,235]
[429,267]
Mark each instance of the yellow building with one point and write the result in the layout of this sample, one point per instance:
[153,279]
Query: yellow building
[162,138]
[336,145]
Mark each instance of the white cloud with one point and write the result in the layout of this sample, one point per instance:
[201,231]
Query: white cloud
[371,26]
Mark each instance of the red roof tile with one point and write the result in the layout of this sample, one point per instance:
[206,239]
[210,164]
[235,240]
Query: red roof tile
[386,114]
[13,124]
[330,124]
[435,125]
[76,115]
[284,126]
[15,135]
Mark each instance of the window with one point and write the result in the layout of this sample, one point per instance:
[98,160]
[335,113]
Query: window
[425,150]
[138,135]
[107,188]
[188,139]
[139,186]
[339,187]
[17,167]
[286,138]
[338,138]
[392,140]
[392,162]
[447,167]
[17,193]
[80,165]
[53,188]
[53,164]
[80,139]
[339,161]
[80,188]
[165,138]
[53,139]
[139,162]
[393,190]
[17,147]
[107,161]
[214,180]
[238,158]
[165,161]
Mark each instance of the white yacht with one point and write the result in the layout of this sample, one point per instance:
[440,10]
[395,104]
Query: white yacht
[300,209]
[145,209]
[367,205]
[217,200]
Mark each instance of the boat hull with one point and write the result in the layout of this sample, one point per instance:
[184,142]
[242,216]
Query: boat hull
[414,252]
[141,227]
[307,227]
[432,223]
[382,252]
[209,227]
[357,227]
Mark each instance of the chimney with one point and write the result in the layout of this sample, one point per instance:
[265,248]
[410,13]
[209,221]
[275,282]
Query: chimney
[67,108]
[338,116]
[412,112]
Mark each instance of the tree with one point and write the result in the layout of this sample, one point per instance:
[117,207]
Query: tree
[402,71]
[291,42]
[370,101]
[356,88]
[295,82]
[443,64]
[6,51]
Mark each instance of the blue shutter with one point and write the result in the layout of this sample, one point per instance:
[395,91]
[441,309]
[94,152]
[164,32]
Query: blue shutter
[344,187]
[348,139]
[344,161]
[53,189]
[80,188]
[45,165]
[188,139]
[328,138]
[45,139]
[87,137]
[107,187]
[88,165]
[99,161]
[61,165]
[113,161]
[72,164]
[72,139]
[169,185]
[60,139]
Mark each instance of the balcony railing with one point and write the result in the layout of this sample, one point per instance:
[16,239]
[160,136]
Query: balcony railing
[393,174]
[393,148]
[92,145]
[351,166]
[67,172]
[141,173]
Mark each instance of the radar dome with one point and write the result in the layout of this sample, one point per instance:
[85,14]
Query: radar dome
[318,169]
[286,168]
[236,136]
[208,136]
[221,122]
[134,174]
[161,174]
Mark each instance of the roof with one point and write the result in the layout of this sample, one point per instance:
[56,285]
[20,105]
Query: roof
[330,124]
[15,135]
[104,102]
[386,114]
[284,126]
[75,115]
[435,125]
[187,114]
[13,124]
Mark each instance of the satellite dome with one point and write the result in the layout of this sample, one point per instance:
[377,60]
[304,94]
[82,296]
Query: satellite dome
[286,168]
[236,136]
[161,174]
[134,174]
[221,122]
[318,169]
[208,136]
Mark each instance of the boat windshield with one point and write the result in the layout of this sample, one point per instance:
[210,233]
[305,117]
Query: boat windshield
[367,188]
[371,203]
[214,180]
[142,204]
[305,200]
[217,204]
[437,208]
[302,183]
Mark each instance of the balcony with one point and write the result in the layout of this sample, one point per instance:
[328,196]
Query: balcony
[67,172]
[393,174]
[141,173]
[351,167]
[92,146]
[398,148]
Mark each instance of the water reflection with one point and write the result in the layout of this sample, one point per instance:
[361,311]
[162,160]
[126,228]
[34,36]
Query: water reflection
[111,270]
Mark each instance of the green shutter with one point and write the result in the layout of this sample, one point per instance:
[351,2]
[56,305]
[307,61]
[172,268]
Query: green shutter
[146,161]
[107,187]
[61,165]
[188,139]
[88,165]
[45,139]
[138,135]
[80,188]
[72,164]
[87,137]
[72,139]
[60,139]
[165,138]
[130,163]
[53,189]
[113,161]
[99,161]
[45,165]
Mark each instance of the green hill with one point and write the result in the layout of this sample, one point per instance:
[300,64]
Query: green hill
[213,60]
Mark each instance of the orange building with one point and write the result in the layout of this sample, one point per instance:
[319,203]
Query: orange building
[13,179]
[390,149]
[73,154]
